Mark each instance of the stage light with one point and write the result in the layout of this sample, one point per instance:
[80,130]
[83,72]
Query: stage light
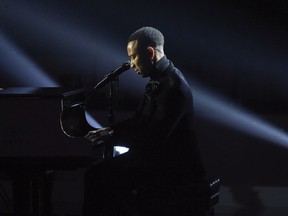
[20,68]
[218,109]
[118,150]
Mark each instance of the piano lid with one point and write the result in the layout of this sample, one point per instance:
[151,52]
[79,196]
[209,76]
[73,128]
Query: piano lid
[32,92]
[30,123]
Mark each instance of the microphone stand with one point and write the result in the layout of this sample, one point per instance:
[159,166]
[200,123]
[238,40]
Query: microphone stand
[111,78]
[113,87]
[112,90]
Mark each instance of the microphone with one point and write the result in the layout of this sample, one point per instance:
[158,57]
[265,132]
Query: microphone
[113,75]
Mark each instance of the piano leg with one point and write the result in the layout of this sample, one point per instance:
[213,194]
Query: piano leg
[32,194]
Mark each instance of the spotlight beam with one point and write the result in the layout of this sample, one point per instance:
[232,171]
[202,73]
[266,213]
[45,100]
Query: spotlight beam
[20,68]
[219,110]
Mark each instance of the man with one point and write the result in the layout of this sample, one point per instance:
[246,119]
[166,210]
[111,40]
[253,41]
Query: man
[157,175]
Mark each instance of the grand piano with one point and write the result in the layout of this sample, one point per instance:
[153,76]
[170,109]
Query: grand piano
[41,130]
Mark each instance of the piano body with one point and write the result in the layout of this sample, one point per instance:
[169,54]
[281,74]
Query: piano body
[35,125]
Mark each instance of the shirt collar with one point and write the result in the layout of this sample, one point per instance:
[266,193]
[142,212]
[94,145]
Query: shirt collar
[160,67]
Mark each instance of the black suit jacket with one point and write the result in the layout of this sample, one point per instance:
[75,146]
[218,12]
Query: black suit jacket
[161,133]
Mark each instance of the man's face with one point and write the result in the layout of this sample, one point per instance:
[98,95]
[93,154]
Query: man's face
[140,59]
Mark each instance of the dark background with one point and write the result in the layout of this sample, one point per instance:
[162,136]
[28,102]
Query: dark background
[235,49]
[238,48]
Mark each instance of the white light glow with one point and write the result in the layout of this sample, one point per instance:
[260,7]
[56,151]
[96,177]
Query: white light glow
[119,150]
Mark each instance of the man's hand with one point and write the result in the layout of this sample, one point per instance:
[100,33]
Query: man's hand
[99,135]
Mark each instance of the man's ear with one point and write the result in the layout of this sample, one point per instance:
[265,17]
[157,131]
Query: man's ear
[151,52]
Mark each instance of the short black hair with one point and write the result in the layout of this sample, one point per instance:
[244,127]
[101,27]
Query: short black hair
[147,36]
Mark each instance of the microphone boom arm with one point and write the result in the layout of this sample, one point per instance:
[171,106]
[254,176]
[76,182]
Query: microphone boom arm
[113,75]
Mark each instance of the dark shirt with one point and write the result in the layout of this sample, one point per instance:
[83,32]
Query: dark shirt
[161,133]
